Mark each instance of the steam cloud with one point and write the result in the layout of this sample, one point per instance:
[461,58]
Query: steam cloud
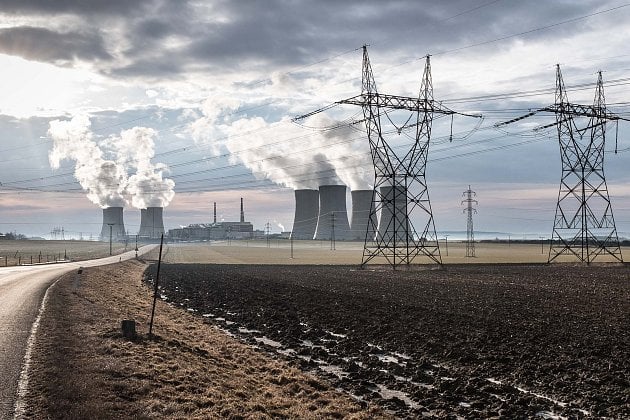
[288,154]
[107,181]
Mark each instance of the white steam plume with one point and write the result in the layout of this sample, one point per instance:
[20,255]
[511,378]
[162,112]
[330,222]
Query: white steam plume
[147,187]
[266,149]
[103,180]
[107,182]
[292,156]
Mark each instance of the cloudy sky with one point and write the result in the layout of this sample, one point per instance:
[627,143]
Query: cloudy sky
[184,103]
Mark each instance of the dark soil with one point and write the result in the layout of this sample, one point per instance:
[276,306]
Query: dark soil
[476,341]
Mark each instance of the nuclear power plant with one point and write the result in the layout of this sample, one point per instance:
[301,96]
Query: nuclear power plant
[306,212]
[332,221]
[215,230]
[151,223]
[113,224]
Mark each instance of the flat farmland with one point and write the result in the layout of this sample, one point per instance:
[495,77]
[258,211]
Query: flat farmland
[42,251]
[278,251]
[466,341]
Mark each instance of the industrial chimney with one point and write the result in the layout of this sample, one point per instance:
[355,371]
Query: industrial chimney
[151,223]
[394,215]
[306,209]
[361,205]
[113,216]
[215,212]
[333,216]
[242,212]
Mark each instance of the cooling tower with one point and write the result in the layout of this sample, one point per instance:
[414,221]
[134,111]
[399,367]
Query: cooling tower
[151,223]
[113,216]
[306,209]
[332,213]
[394,202]
[361,204]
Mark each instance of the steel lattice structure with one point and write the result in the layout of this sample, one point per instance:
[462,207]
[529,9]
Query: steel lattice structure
[584,226]
[470,232]
[401,196]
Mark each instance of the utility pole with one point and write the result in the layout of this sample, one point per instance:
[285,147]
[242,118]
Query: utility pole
[583,226]
[400,186]
[111,226]
[542,244]
[291,239]
[446,244]
[470,232]
[268,229]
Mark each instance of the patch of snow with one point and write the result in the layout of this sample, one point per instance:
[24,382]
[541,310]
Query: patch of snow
[268,341]
[388,394]
[337,335]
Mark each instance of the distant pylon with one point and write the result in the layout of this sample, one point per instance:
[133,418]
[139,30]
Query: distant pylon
[470,232]
[583,226]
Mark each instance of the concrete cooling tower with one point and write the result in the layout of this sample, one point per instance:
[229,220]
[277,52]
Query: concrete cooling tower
[361,204]
[151,223]
[332,212]
[393,215]
[306,210]
[113,216]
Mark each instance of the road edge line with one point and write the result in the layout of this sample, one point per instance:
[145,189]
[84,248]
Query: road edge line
[19,409]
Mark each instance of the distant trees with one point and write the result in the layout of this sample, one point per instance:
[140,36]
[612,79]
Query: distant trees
[11,236]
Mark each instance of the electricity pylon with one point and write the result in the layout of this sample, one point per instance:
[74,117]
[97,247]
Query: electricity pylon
[584,226]
[401,196]
[470,232]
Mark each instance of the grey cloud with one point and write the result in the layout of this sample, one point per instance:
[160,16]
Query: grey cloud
[77,7]
[42,44]
[281,33]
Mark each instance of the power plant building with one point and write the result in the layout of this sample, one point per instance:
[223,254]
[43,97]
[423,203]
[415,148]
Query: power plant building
[214,231]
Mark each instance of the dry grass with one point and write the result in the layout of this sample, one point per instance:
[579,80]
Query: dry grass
[83,368]
[346,253]
[14,252]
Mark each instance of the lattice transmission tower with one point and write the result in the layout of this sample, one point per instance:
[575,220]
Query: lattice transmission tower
[469,201]
[584,226]
[401,196]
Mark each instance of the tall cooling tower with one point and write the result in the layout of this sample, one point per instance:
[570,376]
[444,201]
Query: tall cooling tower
[361,203]
[394,203]
[113,216]
[151,223]
[332,212]
[306,209]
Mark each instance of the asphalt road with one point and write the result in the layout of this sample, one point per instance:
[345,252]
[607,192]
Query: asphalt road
[22,290]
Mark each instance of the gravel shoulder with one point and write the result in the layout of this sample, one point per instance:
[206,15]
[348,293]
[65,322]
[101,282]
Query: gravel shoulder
[83,368]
